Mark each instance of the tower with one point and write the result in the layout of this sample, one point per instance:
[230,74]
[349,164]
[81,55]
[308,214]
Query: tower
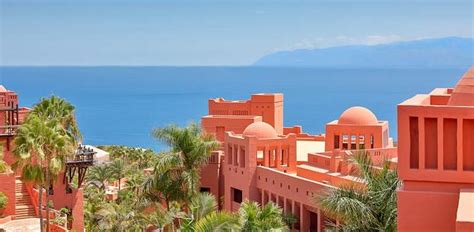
[436,159]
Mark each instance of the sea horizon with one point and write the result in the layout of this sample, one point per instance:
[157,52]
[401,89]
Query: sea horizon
[121,104]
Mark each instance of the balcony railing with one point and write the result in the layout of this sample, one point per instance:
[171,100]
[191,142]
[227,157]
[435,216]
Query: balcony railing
[83,155]
[8,130]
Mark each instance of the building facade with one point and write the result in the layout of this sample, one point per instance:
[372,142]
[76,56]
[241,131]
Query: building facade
[23,196]
[261,163]
[262,160]
[436,159]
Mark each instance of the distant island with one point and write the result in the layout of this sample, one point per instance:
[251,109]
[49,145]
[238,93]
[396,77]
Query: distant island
[441,52]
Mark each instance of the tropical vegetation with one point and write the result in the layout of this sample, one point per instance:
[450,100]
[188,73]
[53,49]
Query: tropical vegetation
[167,195]
[48,135]
[3,165]
[3,201]
[161,191]
[158,191]
[372,207]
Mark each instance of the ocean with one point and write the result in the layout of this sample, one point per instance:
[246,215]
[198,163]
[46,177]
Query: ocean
[121,105]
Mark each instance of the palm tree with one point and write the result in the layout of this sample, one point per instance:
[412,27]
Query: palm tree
[165,184]
[204,216]
[266,218]
[99,175]
[41,149]
[47,136]
[56,108]
[118,169]
[369,208]
[122,217]
[94,202]
[158,219]
[134,183]
[190,150]
[3,165]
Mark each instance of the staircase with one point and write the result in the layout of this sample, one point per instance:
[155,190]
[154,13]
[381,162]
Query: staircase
[23,207]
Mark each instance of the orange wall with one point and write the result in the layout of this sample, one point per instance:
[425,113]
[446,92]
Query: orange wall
[377,131]
[426,211]
[219,124]
[269,106]
[74,201]
[7,186]
[434,162]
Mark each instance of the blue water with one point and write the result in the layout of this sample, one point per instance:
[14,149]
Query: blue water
[121,105]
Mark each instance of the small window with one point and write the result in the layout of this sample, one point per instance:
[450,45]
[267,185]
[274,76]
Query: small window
[345,142]
[205,190]
[237,195]
[353,142]
[361,142]
[372,141]
[336,141]
[229,154]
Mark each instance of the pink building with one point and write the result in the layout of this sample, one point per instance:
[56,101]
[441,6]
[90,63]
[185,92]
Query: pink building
[436,159]
[22,196]
[261,160]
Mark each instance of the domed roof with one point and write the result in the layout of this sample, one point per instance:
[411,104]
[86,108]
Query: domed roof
[357,115]
[463,93]
[261,130]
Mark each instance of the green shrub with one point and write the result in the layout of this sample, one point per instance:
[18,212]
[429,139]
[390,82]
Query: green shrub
[3,200]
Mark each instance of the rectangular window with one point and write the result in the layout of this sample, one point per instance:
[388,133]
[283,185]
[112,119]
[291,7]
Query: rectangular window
[236,195]
[353,142]
[282,158]
[414,142]
[450,146]
[468,145]
[336,141]
[361,142]
[431,143]
[372,142]
[345,142]
[205,190]
[229,154]
[242,157]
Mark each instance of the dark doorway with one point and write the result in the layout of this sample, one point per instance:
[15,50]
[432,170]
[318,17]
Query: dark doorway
[313,219]
[237,195]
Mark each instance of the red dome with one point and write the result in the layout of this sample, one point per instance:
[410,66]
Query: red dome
[261,130]
[357,115]
[463,93]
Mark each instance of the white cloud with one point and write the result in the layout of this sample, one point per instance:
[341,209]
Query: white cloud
[340,40]
[379,39]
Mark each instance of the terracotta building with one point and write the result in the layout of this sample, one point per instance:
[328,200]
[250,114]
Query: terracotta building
[436,159]
[261,160]
[22,196]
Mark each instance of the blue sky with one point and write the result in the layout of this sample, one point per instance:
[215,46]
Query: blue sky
[211,32]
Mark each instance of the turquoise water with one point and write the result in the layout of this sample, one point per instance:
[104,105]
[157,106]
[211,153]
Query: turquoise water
[120,105]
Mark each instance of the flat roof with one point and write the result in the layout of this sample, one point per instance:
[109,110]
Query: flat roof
[466,206]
